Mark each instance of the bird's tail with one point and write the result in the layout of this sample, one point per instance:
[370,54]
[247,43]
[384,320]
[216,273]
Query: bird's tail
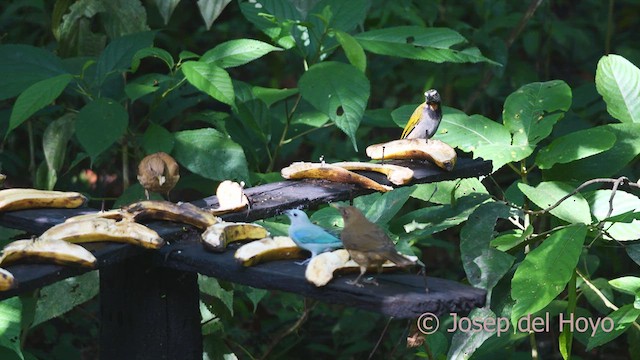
[398,259]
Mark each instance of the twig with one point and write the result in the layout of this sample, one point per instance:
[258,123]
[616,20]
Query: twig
[384,331]
[303,318]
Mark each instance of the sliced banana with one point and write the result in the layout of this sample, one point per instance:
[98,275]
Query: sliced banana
[435,151]
[398,175]
[231,198]
[218,236]
[49,250]
[322,268]
[101,229]
[269,249]
[307,170]
[7,281]
[19,199]
[164,210]
[115,214]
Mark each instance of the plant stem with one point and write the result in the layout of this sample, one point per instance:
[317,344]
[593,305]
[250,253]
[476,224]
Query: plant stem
[284,133]
[32,152]
[309,305]
[567,334]
[125,165]
[534,345]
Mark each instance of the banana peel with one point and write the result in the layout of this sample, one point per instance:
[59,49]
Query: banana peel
[48,251]
[101,229]
[269,249]
[398,175]
[218,236]
[307,170]
[435,151]
[20,199]
[7,281]
[231,198]
[164,210]
[325,266]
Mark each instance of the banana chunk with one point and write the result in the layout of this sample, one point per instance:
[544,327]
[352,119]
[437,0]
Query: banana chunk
[398,175]
[435,151]
[164,210]
[101,229]
[231,198]
[322,268]
[307,170]
[20,199]
[7,281]
[218,236]
[48,251]
[115,214]
[269,249]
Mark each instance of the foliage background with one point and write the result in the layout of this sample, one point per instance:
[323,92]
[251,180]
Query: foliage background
[105,82]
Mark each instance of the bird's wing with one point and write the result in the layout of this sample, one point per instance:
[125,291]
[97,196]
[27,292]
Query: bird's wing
[313,234]
[413,120]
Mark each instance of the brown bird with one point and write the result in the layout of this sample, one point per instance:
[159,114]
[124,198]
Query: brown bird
[159,173]
[367,243]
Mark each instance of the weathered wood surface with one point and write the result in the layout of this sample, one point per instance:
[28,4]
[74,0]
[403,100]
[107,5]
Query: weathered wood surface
[400,295]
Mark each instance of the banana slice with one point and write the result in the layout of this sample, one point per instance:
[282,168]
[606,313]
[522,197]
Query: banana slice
[307,170]
[231,198]
[19,199]
[115,214]
[218,236]
[7,280]
[269,249]
[164,210]
[435,151]
[323,267]
[396,174]
[50,250]
[100,229]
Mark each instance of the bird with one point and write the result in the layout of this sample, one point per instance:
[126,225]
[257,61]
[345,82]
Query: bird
[310,236]
[425,119]
[158,172]
[367,244]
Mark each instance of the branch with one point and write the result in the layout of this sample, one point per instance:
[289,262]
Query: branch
[303,318]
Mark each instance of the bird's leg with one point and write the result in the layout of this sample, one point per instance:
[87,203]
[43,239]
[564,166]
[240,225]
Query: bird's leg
[146,193]
[303,262]
[356,282]
[371,281]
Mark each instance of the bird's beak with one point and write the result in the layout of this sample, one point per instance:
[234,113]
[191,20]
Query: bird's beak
[287,212]
[335,206]
[161,179]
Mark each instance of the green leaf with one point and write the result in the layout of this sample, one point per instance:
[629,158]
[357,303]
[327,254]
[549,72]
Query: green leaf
[237,52]
[58,298]
[99,124]
[209,153]
[621,319]
[484,265]
[156,138]
[117,56]
[626,284]
[123,17]
[10,320]
[575,146]
[22,66]
[211,9]
[166,7]
[151,52]
[210,79]
[465,343]
[255,295]
[574,210]
[623,202]
[271,96]
[211,286]
[618,81]
[54,143]
[531,111]
[273,17]
[419,43]
[545,271]
[352,50]
[387,205]
[446,192]
[633,251]
[339,90]
[36,97]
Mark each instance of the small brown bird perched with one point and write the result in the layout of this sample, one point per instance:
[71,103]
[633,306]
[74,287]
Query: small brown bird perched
[159,173]
[367,243]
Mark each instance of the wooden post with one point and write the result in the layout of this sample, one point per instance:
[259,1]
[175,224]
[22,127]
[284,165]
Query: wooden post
[149,312]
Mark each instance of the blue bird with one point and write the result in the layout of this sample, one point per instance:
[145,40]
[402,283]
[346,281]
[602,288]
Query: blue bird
[309,236]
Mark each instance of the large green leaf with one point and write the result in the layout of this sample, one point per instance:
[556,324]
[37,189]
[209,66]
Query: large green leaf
[36,97]
[118,55]
[419,43]
[271,96]
[545,271]
[161,54]
[237,52]
[531,111]
[352,49]
[447,192]
[72,27]
[623,202]
[618,81]
[575,146]
[210,79]
[58,298]
[99,124]
[54,143]
[123,17]
[621,320]
[22,66]
[211,9]
[10,323]
[387,205]
[273,17]
[339,90]
[209,153]
[575,209]
[166,7]
[626,284]
[465,343]
[484,265]
[156,138]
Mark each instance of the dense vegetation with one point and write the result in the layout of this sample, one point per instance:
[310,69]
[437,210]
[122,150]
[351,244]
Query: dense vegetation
[547,90]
